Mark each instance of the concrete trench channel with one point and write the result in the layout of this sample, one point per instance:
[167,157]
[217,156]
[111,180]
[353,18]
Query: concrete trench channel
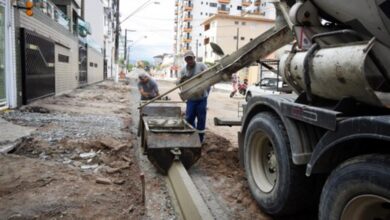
[189,200]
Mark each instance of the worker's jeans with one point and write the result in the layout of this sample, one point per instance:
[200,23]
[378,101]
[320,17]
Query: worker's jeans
[197,109]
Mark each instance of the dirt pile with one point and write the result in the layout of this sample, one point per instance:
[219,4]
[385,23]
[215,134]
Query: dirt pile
[79,162]
[220,163]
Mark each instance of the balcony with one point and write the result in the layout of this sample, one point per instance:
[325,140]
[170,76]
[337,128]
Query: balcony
[246,3]
[52,11]
[187,40]
[176,12]
[188,7]
[256,12]
[257,3]
[187,29]
[223,10]
[224,1]
[187,18]
[177,3]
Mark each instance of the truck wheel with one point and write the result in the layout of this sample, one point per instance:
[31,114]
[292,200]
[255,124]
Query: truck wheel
[279,186]
[248,96]
[358,189]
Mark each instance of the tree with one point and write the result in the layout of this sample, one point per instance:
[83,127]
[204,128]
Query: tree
[130,66]
[146,63]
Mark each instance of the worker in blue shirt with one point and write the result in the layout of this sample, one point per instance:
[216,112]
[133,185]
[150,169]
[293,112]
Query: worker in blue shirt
[196,106]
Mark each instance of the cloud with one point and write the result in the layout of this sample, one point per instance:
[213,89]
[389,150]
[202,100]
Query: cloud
[154,21]
[148,52]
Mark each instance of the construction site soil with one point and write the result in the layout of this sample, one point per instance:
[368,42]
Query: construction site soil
[83,161]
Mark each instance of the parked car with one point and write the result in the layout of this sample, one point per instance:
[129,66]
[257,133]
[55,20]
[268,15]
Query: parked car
[267,86]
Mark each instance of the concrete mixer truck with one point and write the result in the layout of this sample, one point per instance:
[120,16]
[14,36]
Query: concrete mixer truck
[328,146]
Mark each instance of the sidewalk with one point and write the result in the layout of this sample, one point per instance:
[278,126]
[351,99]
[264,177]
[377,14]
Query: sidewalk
[10,134]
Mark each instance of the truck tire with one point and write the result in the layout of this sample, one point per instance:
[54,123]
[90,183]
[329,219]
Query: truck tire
[279,186]
[358,189]
[248,96]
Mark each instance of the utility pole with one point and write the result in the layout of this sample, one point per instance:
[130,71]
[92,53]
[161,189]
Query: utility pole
[238,36]
[117,32]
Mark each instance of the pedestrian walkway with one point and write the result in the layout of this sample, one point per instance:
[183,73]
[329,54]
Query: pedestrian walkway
[10,134]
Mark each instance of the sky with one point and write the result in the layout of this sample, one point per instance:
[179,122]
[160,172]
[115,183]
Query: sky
[155,21]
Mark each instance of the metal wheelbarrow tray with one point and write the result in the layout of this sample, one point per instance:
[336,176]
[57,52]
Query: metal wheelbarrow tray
[166,136]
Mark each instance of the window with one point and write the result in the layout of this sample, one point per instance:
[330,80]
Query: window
[95,65]
[206,27]
[239,7]
[223,7]
[243,23]
[63,58]
[207,3]
[91,64]
[242,38]
[212,4]
[206,13]
[200,34]
[236,22]
[206,41]
[201,3]
[201,13]
[235,37]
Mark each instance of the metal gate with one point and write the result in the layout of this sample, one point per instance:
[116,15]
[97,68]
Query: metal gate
[83,63]
[37,59]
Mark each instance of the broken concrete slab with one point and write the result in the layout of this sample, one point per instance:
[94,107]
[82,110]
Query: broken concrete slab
[104,181]
[10,134]
[111,143]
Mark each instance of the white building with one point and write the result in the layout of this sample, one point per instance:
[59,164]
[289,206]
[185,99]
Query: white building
[94,15]
[230,33]
[109,37]
[8,98]
[189,15]
[267,10]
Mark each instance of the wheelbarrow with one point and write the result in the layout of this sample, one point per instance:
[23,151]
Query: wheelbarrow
[166,136]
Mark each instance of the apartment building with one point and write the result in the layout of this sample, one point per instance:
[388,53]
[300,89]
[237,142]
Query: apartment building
[109,38]
[57,49]
[190,14]
[93,13]
[230,33]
